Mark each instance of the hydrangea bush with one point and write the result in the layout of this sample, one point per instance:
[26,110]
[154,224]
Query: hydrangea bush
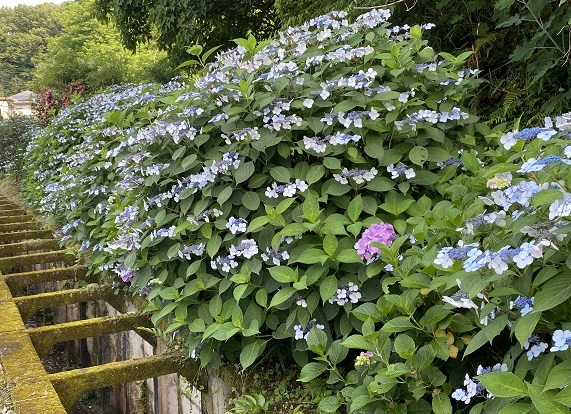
[326,195]
[16,133]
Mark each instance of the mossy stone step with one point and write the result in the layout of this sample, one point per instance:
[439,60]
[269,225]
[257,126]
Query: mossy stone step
[14,249]
[12,227]
[33,392]
[17,280]
[70,385]
[25,235]
[9,263]
[12,211]
[28,305]
[19,218]
[44,337]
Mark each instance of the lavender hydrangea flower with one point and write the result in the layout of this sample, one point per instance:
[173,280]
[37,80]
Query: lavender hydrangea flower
[381,233]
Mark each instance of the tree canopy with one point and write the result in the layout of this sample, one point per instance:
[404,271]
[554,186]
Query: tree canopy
[90,52]
[182,23]
[24,35]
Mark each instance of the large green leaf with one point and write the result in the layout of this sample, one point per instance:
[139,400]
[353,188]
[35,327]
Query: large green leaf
[503,384]
[545,402]
[553,293]
[487,334]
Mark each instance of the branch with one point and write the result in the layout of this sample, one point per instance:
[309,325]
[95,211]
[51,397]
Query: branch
[382,5]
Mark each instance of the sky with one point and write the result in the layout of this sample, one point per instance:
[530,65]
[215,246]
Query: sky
[12,3]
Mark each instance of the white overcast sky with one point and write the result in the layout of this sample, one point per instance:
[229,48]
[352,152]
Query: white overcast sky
[12,3]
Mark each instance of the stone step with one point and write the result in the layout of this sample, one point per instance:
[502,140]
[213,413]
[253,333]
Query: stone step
[29,305]
[31,392]
[70,385]
[15,219]
[18,280]
[25,235]
[12,227]
[14,249]
[11,211]
[44,337]
[8,263]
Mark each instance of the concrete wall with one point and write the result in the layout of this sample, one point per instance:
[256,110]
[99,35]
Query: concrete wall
[169,394]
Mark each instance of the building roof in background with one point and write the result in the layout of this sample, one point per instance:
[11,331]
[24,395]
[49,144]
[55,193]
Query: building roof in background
[24,96]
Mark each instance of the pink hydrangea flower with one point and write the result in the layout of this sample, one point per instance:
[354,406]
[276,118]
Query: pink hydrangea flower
[380,233]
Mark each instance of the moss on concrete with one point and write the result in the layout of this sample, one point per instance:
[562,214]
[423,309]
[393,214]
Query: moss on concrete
[28,246]
[17,280]
[71,384]
[8,263]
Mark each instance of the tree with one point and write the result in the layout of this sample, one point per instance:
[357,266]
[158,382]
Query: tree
[90,53]
[182,23]
[24,35]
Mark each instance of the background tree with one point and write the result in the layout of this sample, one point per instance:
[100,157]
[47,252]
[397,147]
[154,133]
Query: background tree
[90,53]
[24,35]
[184,22]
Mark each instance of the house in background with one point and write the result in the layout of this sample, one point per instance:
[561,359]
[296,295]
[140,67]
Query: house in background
[18,104]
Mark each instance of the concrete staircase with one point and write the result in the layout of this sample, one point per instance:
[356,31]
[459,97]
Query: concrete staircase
[31,256]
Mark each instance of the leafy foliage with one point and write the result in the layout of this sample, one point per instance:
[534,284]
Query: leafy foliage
[15,134]
[184,22]
[24,35]
[90,53]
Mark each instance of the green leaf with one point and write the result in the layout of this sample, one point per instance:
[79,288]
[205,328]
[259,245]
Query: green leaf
[194,50]
[525,326]
[349,256]
[282,295]
[396,203]
[258,223]
[471,161]
[317,341]
[251,200]
[345,106]
[251,352]
[355,208]
[329,404]
[553,293]
[380,184]
[544,403]
[330,244]
[546,197]
[328,288]
[335,188]
[423,357]
[518,408]
[224,332]
[486,334]
[358,342]
[312,256]
[500,168]
[244,172]
[404,346]
[434,315]
[283,274]
[441,404]
[503,384]
[418,155]
[315,173]
[310,208]
[398,324]
[559,376]
[311,371]
[564,397]
[224,195]
[280,174]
